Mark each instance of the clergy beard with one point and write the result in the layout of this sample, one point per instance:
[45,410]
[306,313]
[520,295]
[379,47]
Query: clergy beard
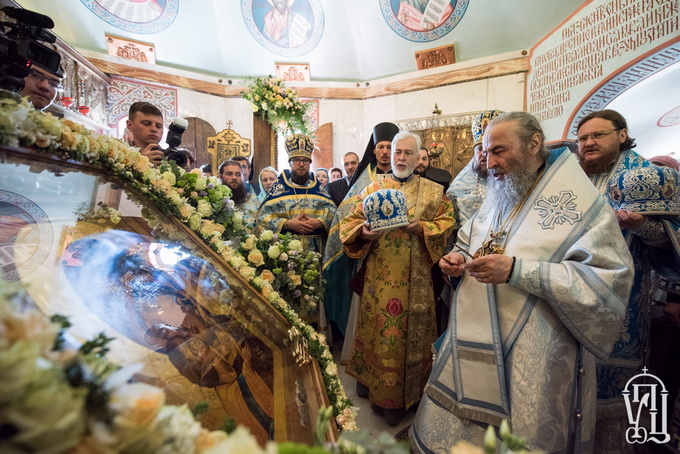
[402,173]
[300,179]
[503,195]
[479,170]
[598,166]
[239,194]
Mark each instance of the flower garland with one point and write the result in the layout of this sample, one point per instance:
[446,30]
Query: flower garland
[203,204]
[59,398]
[278,105]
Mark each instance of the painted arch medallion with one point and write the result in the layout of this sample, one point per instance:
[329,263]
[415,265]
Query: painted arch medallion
[289,28]
[423,20]
[136,16]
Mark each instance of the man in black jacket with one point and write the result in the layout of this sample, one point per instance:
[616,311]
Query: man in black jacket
[338,189]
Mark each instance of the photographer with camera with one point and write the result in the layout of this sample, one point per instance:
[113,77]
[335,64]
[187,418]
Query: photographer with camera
[145,122]
[29,65]
[41,86]
[145,126]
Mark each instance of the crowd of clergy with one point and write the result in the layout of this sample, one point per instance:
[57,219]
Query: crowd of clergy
[543,278]
[556,269]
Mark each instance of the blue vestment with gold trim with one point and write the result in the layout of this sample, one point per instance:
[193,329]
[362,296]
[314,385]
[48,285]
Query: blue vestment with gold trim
[287,199]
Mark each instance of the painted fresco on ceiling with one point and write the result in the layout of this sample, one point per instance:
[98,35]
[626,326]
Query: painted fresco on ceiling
[289,28]
[136,16]
[423,20]
[672,118]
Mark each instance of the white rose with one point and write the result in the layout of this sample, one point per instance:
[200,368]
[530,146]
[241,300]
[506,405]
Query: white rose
[295,245]
[274,251]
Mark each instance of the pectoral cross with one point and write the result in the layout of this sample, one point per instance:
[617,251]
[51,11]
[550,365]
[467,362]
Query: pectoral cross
[490,246]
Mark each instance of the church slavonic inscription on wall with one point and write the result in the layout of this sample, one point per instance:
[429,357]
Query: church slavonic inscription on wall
[130,50]
[595,42]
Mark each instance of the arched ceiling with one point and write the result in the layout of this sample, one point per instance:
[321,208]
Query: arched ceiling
[350,41]
[355,38]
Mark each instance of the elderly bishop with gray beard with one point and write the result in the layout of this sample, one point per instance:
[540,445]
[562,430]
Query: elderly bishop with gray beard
[546,278]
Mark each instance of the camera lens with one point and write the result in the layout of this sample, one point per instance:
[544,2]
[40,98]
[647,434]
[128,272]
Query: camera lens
[179,158]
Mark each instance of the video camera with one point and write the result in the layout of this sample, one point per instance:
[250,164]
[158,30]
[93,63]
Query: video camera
[20,47]
[174,139]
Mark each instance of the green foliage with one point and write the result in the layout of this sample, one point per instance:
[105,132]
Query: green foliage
[278,105]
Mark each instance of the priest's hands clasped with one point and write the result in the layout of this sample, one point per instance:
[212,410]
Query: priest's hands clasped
[303,224]
[489,269]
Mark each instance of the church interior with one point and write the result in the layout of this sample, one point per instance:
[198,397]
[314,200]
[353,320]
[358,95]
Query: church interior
[191,300]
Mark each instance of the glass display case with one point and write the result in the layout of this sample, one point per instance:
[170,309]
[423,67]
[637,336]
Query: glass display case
[91,249]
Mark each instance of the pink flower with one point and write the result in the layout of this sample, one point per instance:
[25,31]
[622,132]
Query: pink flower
[394,307]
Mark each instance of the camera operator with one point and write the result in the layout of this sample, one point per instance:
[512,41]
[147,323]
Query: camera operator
[145,122]
[42,86]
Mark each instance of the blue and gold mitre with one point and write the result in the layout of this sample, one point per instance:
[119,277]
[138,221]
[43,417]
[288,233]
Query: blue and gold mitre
[299,146]
[480,122]
[385,209]
[648,190]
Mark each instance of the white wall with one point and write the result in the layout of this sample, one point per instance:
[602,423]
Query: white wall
[353,120]
[217,111]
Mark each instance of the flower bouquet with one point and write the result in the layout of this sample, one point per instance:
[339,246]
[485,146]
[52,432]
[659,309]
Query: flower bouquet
[279,261]
[278,105]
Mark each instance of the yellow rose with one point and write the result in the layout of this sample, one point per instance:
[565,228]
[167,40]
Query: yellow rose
[207,230]
[161,185]
[239,441]
[255,257]
[68,139]
[227,254]
[136,405]
[247,272]
[464,447]
[142,164]
[209,439]
[295,278]
[267,276]
[249,243]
